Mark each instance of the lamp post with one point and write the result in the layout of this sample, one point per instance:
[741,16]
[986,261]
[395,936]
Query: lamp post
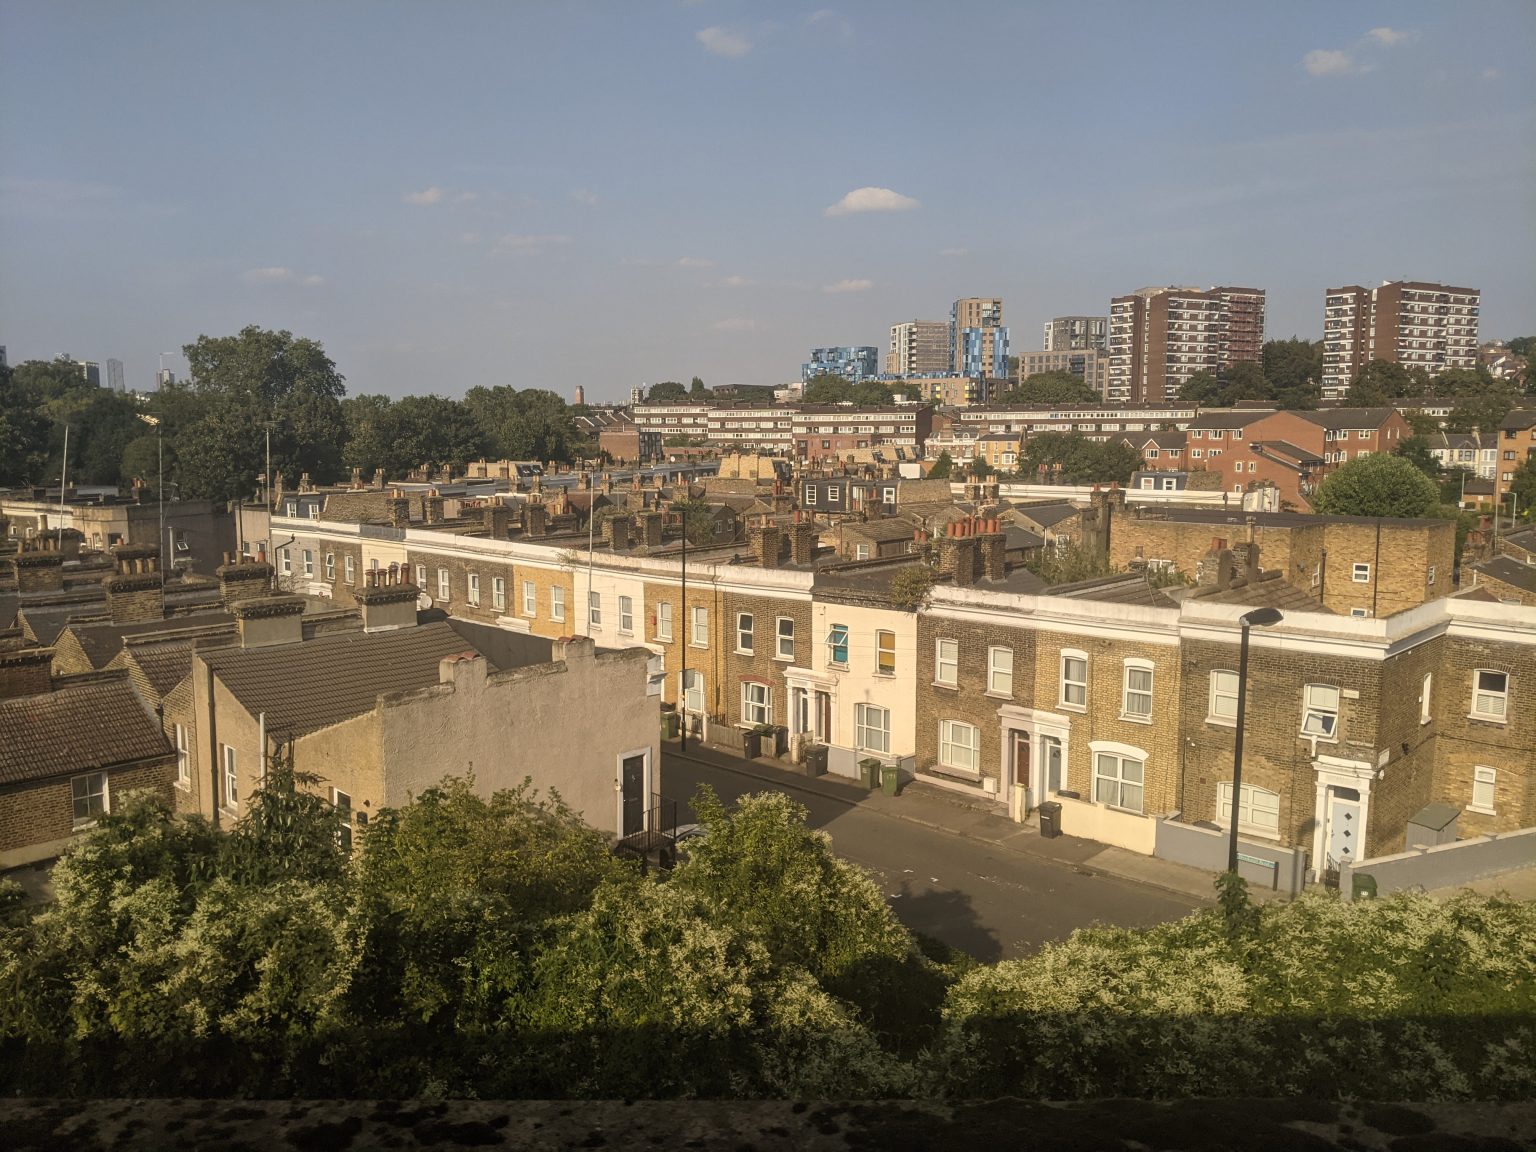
[1258,618]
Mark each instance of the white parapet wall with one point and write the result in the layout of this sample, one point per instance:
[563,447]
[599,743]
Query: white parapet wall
[1444,865]
[1108,825]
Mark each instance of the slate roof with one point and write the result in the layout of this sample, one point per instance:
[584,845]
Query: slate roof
[1019,538]
[1336,418]
[1125,589]
[317,683]
[880,531]
[1269,591]
[77,728]
[102,641]
[1288,450]
[1225,418]
[1047,515]
[1522,576]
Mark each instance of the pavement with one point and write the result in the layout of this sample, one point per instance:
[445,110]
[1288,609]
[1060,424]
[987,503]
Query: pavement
[949,812]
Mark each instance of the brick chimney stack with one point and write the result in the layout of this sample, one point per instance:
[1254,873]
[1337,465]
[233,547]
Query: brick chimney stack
[1217,567]
[39,566]
[241,579]
[616,532]
[432,509]
[535,520]
[136,591]
[387,600]
[763,540]
[649,525]
[399,512]
[270,620]
[994,551]
[802,541]
[497,520]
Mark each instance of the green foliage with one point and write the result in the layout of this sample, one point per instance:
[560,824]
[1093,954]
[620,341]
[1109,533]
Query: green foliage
[1416,450]
[1523,485]
[666,392]
[1068,563]
[698,520]
[1480,412]
[1054,387]
[827,388]
[37,399]
[980,469]
[696,387]
[533,424]
[1377,485]
[1382,381]
[943,468]
[1522,345]
[1201,388]
[911,587]
[1073,458]
[1242,381]
[1294,370]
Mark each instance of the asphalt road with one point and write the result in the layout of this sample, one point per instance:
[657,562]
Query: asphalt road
[990,902]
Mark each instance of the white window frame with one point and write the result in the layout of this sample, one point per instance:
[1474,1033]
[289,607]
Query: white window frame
[837,638]
[756,703]
[664,620]
[1219,691]
[1000,670]
[499,593]
[444,585]
[349,569]
[341,803]
[183,758]
[1130,696]
[595,608]
[626,615]
[1111,782]
[946,662]
[885,652]
[698,626]
[309,562]
[872,729]
[230,771]
[785,637]
[1484,790]
[1254,810]
[691,685]
[960,755]
[1067,682]
[1318,718]
[530,599]
[1426,698]
[1360,573]
[330,567]
[744,624]
[286,560]
[1484,699]
[557,603]
[472,588]
[83,790]
[421,577]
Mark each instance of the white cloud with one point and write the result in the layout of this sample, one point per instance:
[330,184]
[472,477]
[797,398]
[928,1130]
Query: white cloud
[954,251]
[466,197]
[849,286]
[734,324]
[695,262]
[313,281]
[1329,62]
[280,275]
[426,196]
[735,282]
[522,242]
[584,196]
[723,42]
[872,200]
[827,20]
[1389,36]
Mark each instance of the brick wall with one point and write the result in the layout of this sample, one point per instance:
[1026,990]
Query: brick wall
[970,702]
[36,818]
[1466,743]
[761,664]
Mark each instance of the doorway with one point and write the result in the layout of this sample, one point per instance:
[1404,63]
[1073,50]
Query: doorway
[1345,844]
[632,789]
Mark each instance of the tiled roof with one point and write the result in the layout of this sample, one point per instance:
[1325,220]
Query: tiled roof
[1224,418]
[1288,450]
[101,642]
[880,531]
[1269,591]
[1047,515]
[1522,576]
[1348,417]
[163,665]
[1126,589]
[312,685]
[78,728]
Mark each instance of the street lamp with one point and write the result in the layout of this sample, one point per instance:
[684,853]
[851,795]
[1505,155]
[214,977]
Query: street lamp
[1258,618]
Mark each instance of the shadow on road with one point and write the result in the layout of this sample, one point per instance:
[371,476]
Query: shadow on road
[947,915]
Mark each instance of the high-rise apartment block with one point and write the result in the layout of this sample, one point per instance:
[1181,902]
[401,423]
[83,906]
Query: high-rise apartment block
[115,375]
[861,362]
[1417,325]
[918,348]
[91,371]
[978,340]
[1090,365]
[1066,333]
[164,377]
[1160,337]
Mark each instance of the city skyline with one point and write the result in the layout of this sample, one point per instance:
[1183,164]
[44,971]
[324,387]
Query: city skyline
[547,197]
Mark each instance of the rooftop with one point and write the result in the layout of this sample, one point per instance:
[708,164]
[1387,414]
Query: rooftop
[1509,571]
[76,728]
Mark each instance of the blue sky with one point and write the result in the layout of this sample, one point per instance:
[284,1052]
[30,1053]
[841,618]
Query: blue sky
[542,195]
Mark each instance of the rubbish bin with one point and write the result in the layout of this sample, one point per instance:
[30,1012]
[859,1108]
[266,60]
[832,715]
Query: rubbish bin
[816,760]
[1050,819]
[780,739]
[890,779]
[669,725]
[751,744]
[869,772]
[1363,885]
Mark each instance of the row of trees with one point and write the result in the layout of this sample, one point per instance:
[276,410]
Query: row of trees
[1288,376]
[213,427]
[495,948]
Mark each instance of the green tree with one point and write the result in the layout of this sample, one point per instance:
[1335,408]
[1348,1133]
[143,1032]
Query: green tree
[1483,411]
[942,468]
[1523,486]
[698,520]
[38,398]
[1055,388]
[827,388]
[1416,450]
[1244,381]
[870,394]
[1522,345]
[1377,485]
[1294,370]
[23,432]
[531,424]
[1069,564]
[1074,459]
[696,387]
[1380,382]
[666,392]
[1201,388]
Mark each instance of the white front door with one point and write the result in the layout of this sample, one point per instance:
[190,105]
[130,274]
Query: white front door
[1345,834]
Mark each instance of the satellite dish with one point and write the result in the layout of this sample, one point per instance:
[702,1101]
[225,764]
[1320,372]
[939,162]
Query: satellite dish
[423,602]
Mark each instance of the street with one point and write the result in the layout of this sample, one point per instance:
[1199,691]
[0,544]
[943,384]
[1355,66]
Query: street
[991,902]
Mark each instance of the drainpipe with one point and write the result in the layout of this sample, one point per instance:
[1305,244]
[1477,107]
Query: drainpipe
[213,744]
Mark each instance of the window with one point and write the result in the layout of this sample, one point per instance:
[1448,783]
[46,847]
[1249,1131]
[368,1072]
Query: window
[1000,671]
[663,621]
[1257,808]
[1320,711]
[744,633]
[861,551]
[530,598]
[286,561]
[810,494]
[1424,697]
[499,593]
[1117,780]
[872,728]
[693,690]
[421,577]
[699,625]
[946,662]
[1136,703]
[1360,573]
[837,645]
[960,746]
[349,568]
[443,584]
[293,507]
[342,803]
[885,653]
[595,609]
[231,778]
[627,615]
[786,636]
[1490,694]
[1429,577]
[834,495]
[756,703]
[557,604]
[89,795]
[1074,679]
[1483,781]
[473,588]
[309,562]
[1222,708]
[183,758]
[330,566]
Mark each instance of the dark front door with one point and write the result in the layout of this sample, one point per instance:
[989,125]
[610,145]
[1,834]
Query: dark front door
[634,795]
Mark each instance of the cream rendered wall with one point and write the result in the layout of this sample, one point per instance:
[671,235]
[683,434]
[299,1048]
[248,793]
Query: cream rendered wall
[565,725]
[860,683]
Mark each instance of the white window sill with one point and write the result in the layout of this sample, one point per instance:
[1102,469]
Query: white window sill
[998,695]
[1253,833]
[745,652]
[85,827]
[1499,720]
[700,647]
[184,786]
[1221,722]
[1117,808]
[947,687]
[1065,707]
[785,659]
[1136,719]
[962,773]
[833,666]
[1334,739]
[1481,811]
[626,631]
[885,675]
